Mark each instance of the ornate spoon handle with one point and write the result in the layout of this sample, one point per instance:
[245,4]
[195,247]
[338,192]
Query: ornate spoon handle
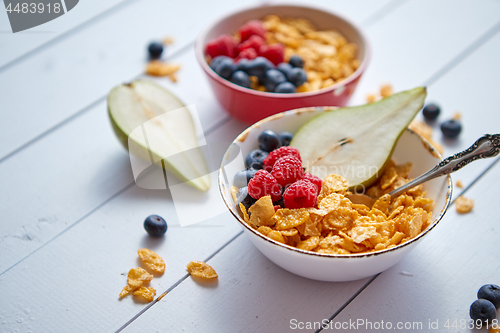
[486,146]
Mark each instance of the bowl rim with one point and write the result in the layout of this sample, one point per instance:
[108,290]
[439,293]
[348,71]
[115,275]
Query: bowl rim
[242,136]
[199,47]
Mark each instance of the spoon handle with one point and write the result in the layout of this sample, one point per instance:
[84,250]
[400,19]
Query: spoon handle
[486,146]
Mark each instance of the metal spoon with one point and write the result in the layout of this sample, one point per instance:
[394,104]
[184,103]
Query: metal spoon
[486,146]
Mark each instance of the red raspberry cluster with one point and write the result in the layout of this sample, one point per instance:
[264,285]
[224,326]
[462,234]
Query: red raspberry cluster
[251,45]
[283,170]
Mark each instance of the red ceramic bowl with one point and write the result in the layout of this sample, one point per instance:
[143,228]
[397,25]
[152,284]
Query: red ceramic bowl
[250,105]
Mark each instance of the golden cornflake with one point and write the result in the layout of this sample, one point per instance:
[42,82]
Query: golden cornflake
[261,212]
[289,218]
[201,269]
[386,90]
[459,184]
[159,68]
[337,226]
[328,57]
[464,205]
[145,293]
[137,277]
[152,260]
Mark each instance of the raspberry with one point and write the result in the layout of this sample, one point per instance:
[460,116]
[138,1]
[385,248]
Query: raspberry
[287,170]
[301,194]
[275,53]
[247,54]
[262,184]
[222,45]
[313,179]
[277,154]
[254,42]
[252,28]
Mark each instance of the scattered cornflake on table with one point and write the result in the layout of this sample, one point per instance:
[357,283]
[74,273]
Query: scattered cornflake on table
[152,260]
[371,98]
[167,40]
[459,184]
[201,269]
[146,293]
[457,115]
[136,278]
[159,68]
[463,204]
[386,90]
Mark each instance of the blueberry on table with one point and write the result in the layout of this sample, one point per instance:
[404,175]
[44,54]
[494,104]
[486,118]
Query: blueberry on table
[269,141]
[286,138]
[241,78]
[155,226]
[284,68]
[297,76]
[255,160]
[483,310]
[272,78]
[285,88]
[451,128]
[491,292]
[431,111]
[243,197]
[242,177]
[225,68]
[259,66]
[155,50]
[296,61]
[216,61]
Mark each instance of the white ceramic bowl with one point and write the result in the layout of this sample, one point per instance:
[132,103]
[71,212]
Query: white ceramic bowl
[327,267]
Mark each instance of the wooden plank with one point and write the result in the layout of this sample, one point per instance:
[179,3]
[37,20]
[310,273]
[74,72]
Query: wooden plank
[439,280]
[18,45]
[72,283]
[78,71]
[252,295]
[70,76]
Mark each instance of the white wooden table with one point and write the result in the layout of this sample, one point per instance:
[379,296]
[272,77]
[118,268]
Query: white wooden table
[71,215]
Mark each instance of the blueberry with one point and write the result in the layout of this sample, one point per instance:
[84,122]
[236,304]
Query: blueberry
[297,76]
[241,78]
[216,61]
[272,78]
[451,128]
[483,310]
[243,197]
[269,141]
[296,61]
[285,138]
[155,50]
[259,66]
[431,111]
[242,65]
[285,88]
[255,159]
[155,226]
[225,68]
[491,292]
[242,177]
[280,203]
[284,68]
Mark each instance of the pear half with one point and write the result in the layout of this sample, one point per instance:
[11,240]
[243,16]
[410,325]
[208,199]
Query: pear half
[357,142]
[154,125]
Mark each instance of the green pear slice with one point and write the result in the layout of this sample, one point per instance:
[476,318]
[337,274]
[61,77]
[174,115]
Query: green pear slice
[357,142]
[154,125]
